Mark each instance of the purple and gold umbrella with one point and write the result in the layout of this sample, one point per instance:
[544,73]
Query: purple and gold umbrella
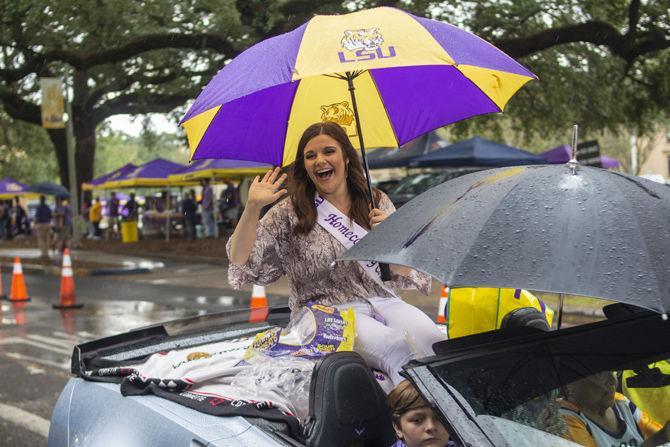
[410,75]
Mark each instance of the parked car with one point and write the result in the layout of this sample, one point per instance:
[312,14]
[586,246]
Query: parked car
[497,388]
[413,185]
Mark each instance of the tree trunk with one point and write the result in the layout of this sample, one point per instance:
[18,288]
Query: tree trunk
[84,130]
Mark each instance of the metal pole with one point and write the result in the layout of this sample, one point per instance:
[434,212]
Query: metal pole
[633,155]
[350,81]
[560,311]
[384,269]
[71,166]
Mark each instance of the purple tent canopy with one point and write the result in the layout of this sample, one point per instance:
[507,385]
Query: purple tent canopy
[152,173]
[10,188]
[110,176]
[561,154]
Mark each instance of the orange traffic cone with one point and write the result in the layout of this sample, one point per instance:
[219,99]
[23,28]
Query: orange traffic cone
[18,292]
[68,299]
[259,305]
[2,295]
[442,306]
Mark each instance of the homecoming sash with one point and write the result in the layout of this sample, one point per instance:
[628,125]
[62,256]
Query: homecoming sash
[346,231]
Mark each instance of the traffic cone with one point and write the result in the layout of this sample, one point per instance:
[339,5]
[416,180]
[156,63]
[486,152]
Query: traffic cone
[259,305]
[442,306]
[68,299]
[18,292]
[2,295]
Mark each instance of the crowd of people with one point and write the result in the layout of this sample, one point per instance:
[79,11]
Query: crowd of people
[52,222]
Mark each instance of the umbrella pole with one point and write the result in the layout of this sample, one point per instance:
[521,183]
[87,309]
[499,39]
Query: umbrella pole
[384,268]
[560,311]
[366,168]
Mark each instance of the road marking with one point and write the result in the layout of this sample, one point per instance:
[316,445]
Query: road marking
[65,344]
[32,422]
[25,341]
[15,355]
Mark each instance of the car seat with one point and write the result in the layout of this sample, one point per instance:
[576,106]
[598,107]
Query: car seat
[347,407]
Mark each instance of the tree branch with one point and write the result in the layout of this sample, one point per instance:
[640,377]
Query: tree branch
[143,44]
[137,103]
[595,32]
[19,108]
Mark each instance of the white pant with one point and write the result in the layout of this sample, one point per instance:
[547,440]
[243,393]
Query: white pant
[407,334]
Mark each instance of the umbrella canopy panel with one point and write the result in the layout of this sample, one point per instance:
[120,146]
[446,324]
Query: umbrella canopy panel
[10,188]
[596,233]
[413,75]
[50,189]
[480,152]
[384,158]
[561,154]
[108,177]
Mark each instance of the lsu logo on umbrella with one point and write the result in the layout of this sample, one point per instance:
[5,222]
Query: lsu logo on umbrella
[366,44]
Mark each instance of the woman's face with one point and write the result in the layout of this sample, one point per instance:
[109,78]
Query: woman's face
[326,165]
[420,427]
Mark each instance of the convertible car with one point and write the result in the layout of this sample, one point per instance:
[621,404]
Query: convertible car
[498,388]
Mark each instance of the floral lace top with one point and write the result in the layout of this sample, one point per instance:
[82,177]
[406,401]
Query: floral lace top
[307,262]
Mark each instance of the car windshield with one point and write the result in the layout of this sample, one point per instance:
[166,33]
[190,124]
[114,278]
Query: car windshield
[604,392]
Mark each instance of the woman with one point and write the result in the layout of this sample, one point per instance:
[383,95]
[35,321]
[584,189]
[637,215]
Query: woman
[414,422]
[598,416]
[300,237]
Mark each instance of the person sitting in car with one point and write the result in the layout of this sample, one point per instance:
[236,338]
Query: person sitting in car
[328,211]
[598,416]
[414,422]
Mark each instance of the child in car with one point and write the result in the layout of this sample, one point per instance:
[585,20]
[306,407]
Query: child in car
[414,421]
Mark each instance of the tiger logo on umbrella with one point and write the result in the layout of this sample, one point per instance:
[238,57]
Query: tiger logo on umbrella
[339,113]
[362,39]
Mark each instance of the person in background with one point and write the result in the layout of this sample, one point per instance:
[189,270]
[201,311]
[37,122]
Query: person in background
[4,219]
[86,216]
[62,223]
[597,416]
[414,422]
[207,204]
[95,216]
[113,213]
[131,208]
[43,227]
[230,204]
[19,217]
[190,210]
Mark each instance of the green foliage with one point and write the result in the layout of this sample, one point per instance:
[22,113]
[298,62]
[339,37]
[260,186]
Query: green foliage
[26,154]
[602,64]
[118,148]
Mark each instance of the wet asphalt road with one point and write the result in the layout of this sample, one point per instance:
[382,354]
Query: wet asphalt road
[36,341]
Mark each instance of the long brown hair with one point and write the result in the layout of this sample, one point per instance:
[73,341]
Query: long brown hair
[302,190]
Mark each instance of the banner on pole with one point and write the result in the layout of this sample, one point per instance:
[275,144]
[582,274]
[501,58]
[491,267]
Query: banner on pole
[53,105]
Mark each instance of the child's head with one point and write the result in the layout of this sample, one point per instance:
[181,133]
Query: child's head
[413,420]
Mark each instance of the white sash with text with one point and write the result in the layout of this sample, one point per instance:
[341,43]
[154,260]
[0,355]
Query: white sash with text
[346,231]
